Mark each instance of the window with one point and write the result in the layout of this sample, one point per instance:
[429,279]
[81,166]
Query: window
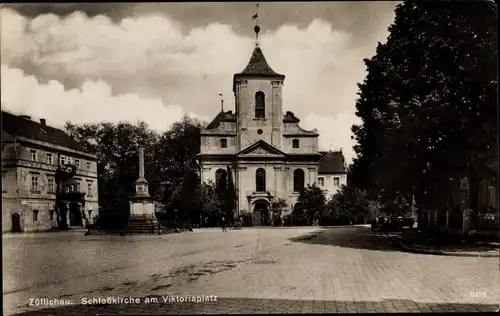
[49,158]
[35,215]
[4,184]
[260,180]
[51,214]
[298,180]
[62,160]
[89,165]
[223,143]
[321,181]
[89,188]
[77,186]
[492,193]
[220,177]
[90,213]
[34,184]
[336,181]
[295,143]
[33,155]
[51,188]
[77,163]
[260,105]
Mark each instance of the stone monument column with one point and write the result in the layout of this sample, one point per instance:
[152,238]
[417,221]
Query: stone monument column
[142,212]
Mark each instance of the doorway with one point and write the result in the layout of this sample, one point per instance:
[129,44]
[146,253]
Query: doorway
[261,213]
[75,215]
[16,223]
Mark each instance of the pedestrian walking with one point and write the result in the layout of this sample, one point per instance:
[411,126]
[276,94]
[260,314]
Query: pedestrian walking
[88,223]
[223,220]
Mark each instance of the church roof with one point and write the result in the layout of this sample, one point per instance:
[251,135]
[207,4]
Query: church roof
[20,126]
[258,66]
[228,116]
[331,162]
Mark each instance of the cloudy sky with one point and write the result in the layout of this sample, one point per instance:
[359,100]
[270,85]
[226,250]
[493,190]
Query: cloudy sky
[156,62]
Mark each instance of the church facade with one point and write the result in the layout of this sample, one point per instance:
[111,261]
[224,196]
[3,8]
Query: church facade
[269,154]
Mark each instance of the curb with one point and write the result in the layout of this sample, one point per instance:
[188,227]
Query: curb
[441,253]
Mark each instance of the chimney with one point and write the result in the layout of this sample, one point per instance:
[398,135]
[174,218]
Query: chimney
[26,117]
[43,121]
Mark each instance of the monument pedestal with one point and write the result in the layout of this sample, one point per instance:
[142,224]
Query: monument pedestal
[142,219]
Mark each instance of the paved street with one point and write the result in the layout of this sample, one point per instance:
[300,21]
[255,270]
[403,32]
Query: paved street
[346,269]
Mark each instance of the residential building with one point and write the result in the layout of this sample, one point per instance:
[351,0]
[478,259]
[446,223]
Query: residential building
[48,179]
[332,173]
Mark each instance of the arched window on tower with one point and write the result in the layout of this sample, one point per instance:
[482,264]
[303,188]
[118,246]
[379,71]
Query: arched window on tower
[298,180]
[260,180]
[295,143]
[220,177]
[260,105]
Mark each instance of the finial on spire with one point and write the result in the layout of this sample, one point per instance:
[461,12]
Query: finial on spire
[221,95]
[257,27]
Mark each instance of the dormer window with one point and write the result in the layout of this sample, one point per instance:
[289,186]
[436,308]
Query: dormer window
[223,143]
[260,105]
[295,143]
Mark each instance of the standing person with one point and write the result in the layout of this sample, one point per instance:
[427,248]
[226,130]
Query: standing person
[88,223]
[223,220]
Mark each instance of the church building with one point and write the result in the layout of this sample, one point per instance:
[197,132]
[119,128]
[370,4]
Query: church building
[269,154]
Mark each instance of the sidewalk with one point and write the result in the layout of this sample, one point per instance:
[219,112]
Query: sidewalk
[486,249]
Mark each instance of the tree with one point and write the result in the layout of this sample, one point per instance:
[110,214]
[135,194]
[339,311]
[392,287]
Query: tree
[170,165]
[353,200]
[176,158]
[277,207]
[116,147]
[312,201]
[428,103]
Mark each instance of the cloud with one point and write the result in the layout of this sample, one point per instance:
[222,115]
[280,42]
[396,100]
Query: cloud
[147,67]
[335,131]
[93,102]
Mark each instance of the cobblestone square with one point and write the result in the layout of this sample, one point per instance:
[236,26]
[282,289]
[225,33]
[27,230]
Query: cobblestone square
[278,270]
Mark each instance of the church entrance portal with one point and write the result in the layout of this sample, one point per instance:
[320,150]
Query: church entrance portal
[16,223]
[261,213]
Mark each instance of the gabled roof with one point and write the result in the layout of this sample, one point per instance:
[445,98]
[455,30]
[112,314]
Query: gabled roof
[331,162]
[221,117]
[18,126]
[267,149]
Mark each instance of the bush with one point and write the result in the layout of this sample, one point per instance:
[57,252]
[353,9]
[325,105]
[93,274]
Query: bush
[328,220]
[287,220]
[278,221]
[247,219]
[237,225]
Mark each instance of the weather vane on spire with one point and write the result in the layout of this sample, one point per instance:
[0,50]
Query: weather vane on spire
[257,27]
[221,95]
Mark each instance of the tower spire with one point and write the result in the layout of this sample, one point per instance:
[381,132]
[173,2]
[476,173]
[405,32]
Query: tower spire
[257,27]
[221,95]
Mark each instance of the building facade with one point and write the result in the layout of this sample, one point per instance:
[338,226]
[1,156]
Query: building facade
[48,180]
[332,173]
[270,156]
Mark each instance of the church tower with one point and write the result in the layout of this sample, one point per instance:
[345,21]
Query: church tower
[258,99]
